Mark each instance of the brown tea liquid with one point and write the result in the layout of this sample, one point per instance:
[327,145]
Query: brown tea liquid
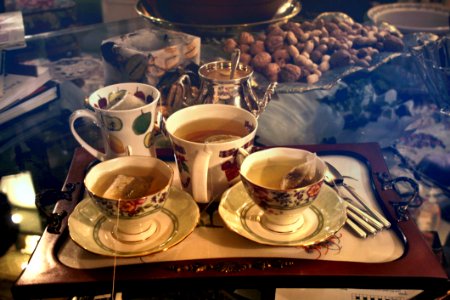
[200,131]
[129,183]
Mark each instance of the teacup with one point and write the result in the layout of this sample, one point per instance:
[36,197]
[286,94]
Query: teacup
[126,115]
[129,190]
[205,139]
[262,174]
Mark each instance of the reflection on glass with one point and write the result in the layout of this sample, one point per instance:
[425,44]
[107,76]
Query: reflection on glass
[19,189]
[433,61]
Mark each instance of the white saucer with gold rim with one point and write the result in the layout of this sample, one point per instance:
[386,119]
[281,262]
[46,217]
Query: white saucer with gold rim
[321,220]
[91,230]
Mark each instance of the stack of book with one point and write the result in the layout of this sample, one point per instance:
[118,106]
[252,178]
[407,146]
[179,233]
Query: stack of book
[23,94]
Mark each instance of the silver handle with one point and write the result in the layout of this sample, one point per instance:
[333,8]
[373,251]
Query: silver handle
[369,219]
[356,228]
[373,212]
[361,222]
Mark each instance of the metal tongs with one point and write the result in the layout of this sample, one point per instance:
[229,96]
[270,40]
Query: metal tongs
[362,221]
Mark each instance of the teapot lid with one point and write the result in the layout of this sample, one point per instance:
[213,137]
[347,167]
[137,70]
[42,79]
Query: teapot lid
[221,70]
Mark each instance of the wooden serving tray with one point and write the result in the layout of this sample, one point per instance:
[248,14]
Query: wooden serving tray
[418,268]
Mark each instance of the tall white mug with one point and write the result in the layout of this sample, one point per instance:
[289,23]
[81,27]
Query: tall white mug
[126,129]
[208,168]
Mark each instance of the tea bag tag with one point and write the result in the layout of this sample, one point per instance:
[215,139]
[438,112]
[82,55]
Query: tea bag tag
[301,175]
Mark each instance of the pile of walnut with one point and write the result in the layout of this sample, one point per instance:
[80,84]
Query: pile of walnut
[304,51]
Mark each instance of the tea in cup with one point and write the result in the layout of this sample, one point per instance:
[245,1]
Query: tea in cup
[129,190]
[205,139]
[264,175]
[126,115]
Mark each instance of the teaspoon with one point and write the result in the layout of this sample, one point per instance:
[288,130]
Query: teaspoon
[334,177]
[235,57]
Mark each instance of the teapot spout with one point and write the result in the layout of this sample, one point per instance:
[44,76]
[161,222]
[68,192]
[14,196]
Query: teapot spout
[266,98]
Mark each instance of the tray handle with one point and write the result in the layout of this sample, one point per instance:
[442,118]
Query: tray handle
[47,199]
[409,196]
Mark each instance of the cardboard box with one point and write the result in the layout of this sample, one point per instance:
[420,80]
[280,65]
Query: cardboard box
[147,54]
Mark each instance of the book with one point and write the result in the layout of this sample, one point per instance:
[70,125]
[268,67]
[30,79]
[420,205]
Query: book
[17,87]
[32,124]
[46,93]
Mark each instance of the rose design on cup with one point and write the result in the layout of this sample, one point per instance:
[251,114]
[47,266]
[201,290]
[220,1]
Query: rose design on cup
[231,169]
[131,207]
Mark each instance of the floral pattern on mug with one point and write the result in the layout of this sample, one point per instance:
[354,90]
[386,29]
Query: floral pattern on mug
[179,148]
[228,153]
[234,151]
[231,169]
[183,168]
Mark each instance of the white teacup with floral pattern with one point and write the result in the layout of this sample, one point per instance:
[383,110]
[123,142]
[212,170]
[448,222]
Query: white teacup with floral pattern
[205,139]
[129,190]
[126,115]
[262,174]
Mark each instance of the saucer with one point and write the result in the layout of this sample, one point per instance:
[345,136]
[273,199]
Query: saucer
[90,229]
[412,17]
[321,220]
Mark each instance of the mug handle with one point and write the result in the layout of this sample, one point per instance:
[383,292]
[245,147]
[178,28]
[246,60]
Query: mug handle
[84,113]
[200,176]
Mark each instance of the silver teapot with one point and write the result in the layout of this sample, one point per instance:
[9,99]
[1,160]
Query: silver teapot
[219,85]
